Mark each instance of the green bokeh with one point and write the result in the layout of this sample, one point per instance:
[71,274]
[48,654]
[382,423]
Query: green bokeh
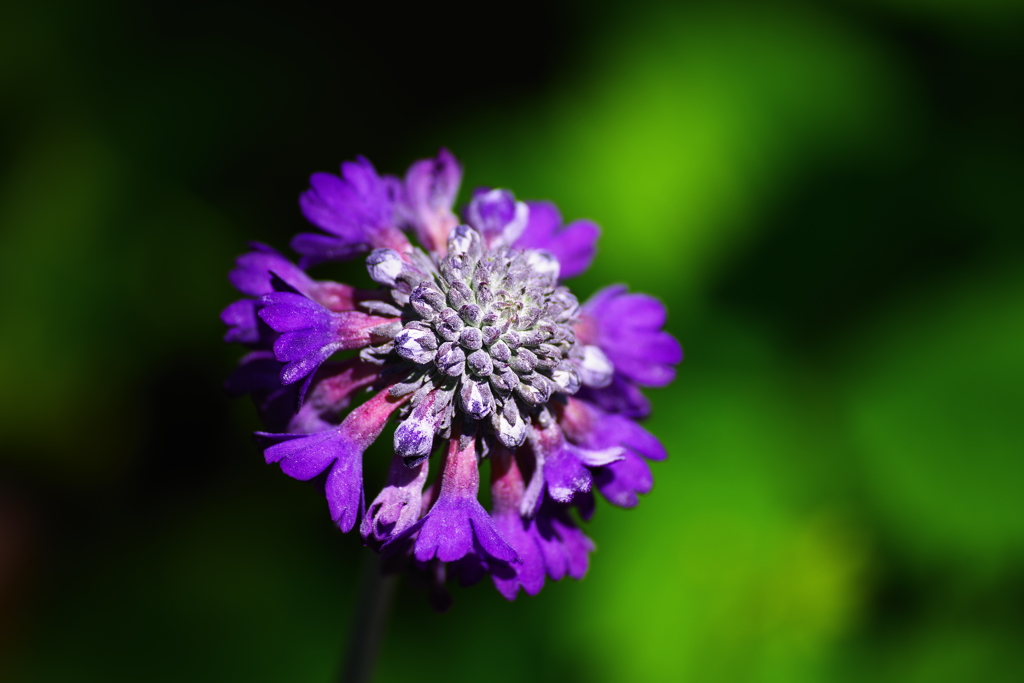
[827,197]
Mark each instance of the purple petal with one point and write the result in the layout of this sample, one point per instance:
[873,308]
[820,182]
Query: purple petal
[577,546]
[240,317]
[316,249]
[564,547]
[627,327]
[358,209]
[470,569]
[621,397]
[457,524]
[507,490]
[593,428]
[622,481]
[564,472]
[574,245]
[497,216]
[304,457]
[309,333]
[397,506]
[333,386]
[428,196]
[453,526]
[529,574]
[251,274]
[341,449]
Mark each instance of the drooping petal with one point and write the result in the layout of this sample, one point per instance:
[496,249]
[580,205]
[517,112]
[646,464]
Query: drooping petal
[576,544]
[240,317]
[564,547]
[397,506]
[457,524]
[340,449]
[507,488]
[623,481]
[574,245]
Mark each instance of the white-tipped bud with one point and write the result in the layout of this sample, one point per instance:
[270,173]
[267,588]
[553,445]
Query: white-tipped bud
[595,368]
[543,263]
[476,399]
[511,435]
[479,363]
[566,377]
[450,359]
[463,241]
[384,266]
[418,346]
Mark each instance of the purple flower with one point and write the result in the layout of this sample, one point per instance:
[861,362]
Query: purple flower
[428,196]
[477,349]
[574,245]
[627,327]
[309,334]
[497,216]
[622,481]
[398,506]
[357,210]
[457,524]
[549,543]
[254,275]
[566,467]
[339,450]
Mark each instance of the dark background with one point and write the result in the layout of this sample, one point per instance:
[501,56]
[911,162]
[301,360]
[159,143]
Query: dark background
[828,197]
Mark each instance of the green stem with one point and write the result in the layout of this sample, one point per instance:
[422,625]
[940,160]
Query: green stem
[376,593]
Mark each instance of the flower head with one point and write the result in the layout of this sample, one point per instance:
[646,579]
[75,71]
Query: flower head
[474,345]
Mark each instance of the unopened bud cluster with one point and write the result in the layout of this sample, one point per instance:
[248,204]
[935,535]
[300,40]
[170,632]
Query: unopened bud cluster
[487,332]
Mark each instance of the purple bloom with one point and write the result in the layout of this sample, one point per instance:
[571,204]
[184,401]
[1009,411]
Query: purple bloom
[310,334]
[428,197]
[476,347]
[254,274]
[566,467]
[622,481]
[242,322]
[627,327]
[549,543]
[357,210]
[574,245]
[566,549]
[457,524]
[398,506]
[339,449]
[497,216]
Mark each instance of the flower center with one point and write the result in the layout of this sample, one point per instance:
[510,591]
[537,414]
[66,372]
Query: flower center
[490,328]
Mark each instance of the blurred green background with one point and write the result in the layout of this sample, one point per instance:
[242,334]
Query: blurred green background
[828,196]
